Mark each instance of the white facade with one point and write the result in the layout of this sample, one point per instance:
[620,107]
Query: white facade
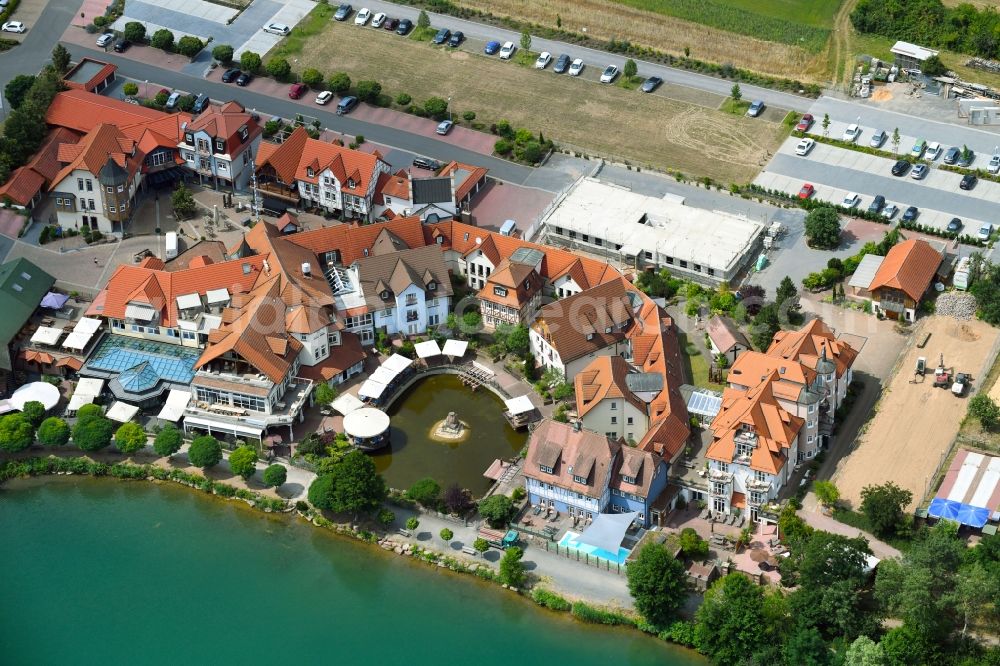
[328,192]
[617,418]
[79,203]
[758,487]
[477,268]
[580,502]
[413,312]
[547,355]
[206,156]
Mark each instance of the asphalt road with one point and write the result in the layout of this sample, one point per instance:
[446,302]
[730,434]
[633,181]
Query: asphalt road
[592,57]
[41,38]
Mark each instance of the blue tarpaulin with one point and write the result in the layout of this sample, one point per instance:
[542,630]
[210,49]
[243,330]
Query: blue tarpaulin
[966,514]
[54,301]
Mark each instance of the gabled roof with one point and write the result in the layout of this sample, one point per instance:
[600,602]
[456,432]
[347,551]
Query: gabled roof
[909,266]
[604,378]
[22,185]
[810,344]
[751,366]
[466,176]
[287,259]
[93,151]
[643,466]
[570,452]
[20,295]
[431,190]
[352,240]
[226,122]
[725,334]
[586,322]
[396,185]
[396,272]
[81,111]
[520,283]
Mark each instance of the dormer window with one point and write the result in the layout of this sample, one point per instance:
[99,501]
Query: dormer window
[500,291]
[189,139]
[385,295]
[628,479]
[431,286]
[309,172]
[351,184]
[579,479]
[440,240]
[543,468]
[366,252]
[244,133]
[590,336]
[220,145]
[607,330]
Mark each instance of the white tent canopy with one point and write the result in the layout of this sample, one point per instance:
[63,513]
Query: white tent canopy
[90,386]
[397,363]
[87,325]
[366,423]
[455,347]
[79,400]
[371,389]
[42,392]
[122,412]
[77,340]
[46,335]
[346,403]
[428,349]
[383,375]
[607,531]
[519,405]
[173,409]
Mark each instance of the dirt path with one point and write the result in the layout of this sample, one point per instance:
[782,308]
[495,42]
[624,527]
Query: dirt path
[840,44]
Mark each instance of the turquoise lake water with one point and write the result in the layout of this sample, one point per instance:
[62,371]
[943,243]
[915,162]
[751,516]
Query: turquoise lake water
[106,572]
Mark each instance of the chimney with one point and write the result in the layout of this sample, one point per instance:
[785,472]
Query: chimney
[267,267]
[306,269]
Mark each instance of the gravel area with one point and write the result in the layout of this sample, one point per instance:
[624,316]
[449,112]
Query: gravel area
[956,304]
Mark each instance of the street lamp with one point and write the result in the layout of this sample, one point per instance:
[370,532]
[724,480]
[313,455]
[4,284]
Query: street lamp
[451,116]
[145,88]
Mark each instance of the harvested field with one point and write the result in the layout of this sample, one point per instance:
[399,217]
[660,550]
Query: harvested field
[916,423]
[647,130]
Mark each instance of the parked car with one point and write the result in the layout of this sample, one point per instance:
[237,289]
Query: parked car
[426,163]
[543,60]
[576,67]
[805,122]
[985,231]
[277,29]
[851,200]
[994,165]
[444,127]
[900,168]
[966,157]
[969,181]
[852,133]
[201,103]
[962,380]
[297,90]
[492,47]
[456,39]
[562,64]
[650,84]
[378,20]
[878,138]
[230,75]
[507,50]
[105,39]
[806,191]
[919,171]
[440,37]
[346,105]
[324,98]
[13,26]
[877,204]
[243,79]
[951,155]
[804,146]
[933,151]
[404,27]
[918,148]
[343,12]
[910,214]
[609,74]
[364,14]
[172,101]
[954,226]
[121,46]
[391,24]
[756,108]
[890,211]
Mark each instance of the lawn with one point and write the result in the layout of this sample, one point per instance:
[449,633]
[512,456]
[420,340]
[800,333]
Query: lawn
[696,364]
[649,130]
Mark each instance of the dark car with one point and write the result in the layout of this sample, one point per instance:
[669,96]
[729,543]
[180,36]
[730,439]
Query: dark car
[346,105]
[951,155]
[244,78]
[756,108]
[456,39]
[966,157]
[391,24]
[122,45]
[230,75]
[969,181]
[955,225]
[910,214]
[404,27]
[562,64]
[650,84]
[900,168]
[492,47]
[343,12]
[878,203]
[426,163]
[442,36]
[200,103]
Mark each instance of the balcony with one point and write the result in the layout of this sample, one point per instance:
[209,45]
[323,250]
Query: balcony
[285,412]
[278,191]
[758,485]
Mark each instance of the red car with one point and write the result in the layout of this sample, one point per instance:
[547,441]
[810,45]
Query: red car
[805,123]
[297,90]
[806,191]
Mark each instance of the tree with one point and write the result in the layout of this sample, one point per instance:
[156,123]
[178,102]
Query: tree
[984,408]
[966,154]
[806,647]
[353,485]
[883,506]
[162,39]
[131,89]
[631,69]
[497,510]
[692,545]
[250,62]
[190,46]
[92,433]
[423,20]
[511,568]
[53,432]
[130,437]
[339,82]
[446,534]
[412,523]
[168,441]
[518,342]
[826,124]
[89,410]
[481,545]
[977,593]
[243,461]
[16,433]
[729,623]
[279,68]
[471,322]
[321,491]
[275,476]
[525,41]
[436,107]
[895,141]
[134,32]
[324,393]
[736,93]
[786,295]
[933,66]
[765,324]
[223,53]
[34,411]
[864,652]
[60,59]
[183,203]
[823,228]
[368,91]
[831,577]
[458,500]
[826,492]
[426,491]
[17,88]
[312,77]
[205,452]
[657,582]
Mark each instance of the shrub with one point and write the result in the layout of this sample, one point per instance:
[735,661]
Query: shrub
[402,99]
[469,116]
[162,39]
[243,461]
[423,20]
[386,517]
[412,523]
[16,433]
[134,32]
[502,147]
[53,432]
[92,433]
[549,600]
[189,46]
[447,534]
[339,82]
[100,21]
[425,491]
[205,452]
[160,99]
[275,475]
[130,89]
[130,437]
[279,68]
[436,107]
[518,494]
[312,77]
[250,62]
[368,90]
[168,441]
[223,53]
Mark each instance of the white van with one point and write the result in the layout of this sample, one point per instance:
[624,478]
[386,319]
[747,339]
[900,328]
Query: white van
[508,228]
[171,250]
[961,279]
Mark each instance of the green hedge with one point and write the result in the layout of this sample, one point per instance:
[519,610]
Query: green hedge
[587,613]
[550,600]
[9,11]
[850,145]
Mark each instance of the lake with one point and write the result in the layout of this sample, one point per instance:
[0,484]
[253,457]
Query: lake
[99,571]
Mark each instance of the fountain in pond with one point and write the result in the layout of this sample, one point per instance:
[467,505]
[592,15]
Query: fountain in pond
[450,429]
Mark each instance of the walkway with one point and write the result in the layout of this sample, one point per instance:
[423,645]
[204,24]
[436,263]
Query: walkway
[811,513]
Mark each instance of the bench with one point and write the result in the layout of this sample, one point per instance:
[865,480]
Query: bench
[405,532]
[469,550]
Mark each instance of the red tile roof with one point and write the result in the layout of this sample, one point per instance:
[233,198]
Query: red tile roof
[93,151]
[107,70]
[25,182]
[81,111]
[352,240]
[909,266]
[474,174]
[22,186]
[810,343]
[570,453]
[225,122]
[342,357]
[604,378]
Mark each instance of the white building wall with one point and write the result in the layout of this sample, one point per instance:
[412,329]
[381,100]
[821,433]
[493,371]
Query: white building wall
[599,419]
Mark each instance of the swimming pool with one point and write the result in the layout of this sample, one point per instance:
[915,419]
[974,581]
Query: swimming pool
[119,353]
[569,540]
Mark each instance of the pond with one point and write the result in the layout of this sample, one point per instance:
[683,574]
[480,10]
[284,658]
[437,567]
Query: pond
[414,455]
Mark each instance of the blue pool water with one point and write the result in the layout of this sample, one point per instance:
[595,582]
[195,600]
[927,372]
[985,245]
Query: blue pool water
[118,353]
[569,541]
